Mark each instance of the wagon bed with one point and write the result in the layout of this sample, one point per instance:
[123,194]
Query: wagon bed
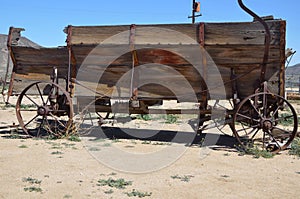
[232,46]
[146,64]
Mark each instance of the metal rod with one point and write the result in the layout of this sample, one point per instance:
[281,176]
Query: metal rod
[193,15]
[267,39]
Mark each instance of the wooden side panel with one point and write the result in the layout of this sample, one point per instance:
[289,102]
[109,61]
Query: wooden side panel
[251,33]
[36,64]
[240,46]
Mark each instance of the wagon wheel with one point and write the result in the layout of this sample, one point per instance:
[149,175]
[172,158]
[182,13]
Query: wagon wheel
[266,121]
[85,118]
[45,109]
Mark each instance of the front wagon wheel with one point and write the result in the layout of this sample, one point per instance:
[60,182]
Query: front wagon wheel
[266,121]
[45,109]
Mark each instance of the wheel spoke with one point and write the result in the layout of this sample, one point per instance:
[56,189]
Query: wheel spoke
[284,118]
[57,120]
[31,120]
[244,129]
[40,93]
[282,130]
[246,117]
[50,93]
[31,100]
[254,108]
[273,139]
[254,134]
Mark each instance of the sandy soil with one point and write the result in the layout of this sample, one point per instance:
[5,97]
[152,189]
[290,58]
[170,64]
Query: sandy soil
[66,169]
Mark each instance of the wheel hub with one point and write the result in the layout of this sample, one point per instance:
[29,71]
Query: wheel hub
[266,124]
[43,110]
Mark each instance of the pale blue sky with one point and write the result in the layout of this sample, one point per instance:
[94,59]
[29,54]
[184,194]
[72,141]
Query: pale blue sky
[44,21]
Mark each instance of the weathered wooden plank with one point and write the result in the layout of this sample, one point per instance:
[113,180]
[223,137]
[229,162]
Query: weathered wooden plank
[33,62]
[250,33]
[98,34]
[235,55]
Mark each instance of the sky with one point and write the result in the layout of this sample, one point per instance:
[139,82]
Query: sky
[44,21]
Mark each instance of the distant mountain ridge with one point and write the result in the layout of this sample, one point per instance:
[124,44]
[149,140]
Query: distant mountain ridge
[293,70]
[4,52]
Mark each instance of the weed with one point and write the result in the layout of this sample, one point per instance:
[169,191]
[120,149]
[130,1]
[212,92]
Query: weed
[112,174]
[288,119]
[23,146]
[106,145]
[295,147]
[94,149]
[133,142]
[161,143]
[57,153]
[137,193]
[145,117]
[119,183]
[129,146]
[67,196]
[74,138]
[32,180]
[68,145]
[185,178]
[225,176]
[255,152]
[99,140]
[56,147]
[146,142]
[14,135]
[115,140]
[109,191]
[33,189]
[171,119]
[27,106]
[226,154]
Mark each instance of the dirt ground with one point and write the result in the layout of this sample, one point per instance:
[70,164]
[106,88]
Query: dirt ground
[36,168]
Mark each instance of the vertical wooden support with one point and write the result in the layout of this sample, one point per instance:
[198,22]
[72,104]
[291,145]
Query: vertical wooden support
[135,62]
[14,36]
[203,52]
[204,97]
[282,58]
[72,69]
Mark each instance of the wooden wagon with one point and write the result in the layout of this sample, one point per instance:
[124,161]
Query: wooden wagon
[139,66]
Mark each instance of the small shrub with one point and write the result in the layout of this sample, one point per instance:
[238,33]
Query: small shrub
[119,183]
[109,191]
[94,149]
[145,117]
[288,119]
[23,146]
[185,178]
[74,138]
[295,147]
[32,180]
[57,153]
[33,189]
[171,119]
[136,193]
[255,152]
[146,142]
[106,145]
